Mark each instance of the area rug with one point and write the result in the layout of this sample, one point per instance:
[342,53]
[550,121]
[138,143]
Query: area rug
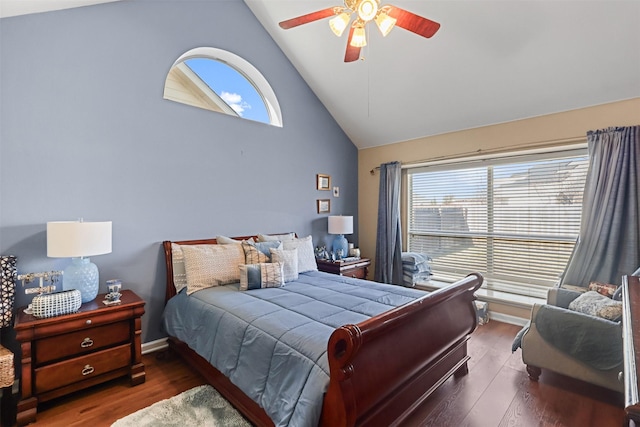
[201,406]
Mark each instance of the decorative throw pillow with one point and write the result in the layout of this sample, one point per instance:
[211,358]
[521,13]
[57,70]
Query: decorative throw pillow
[605,289]
[179,274]
[289,261]
[264,275]
[256,253]
[211,265]
[252,255]
[595,304]
[272,237]
[306,255]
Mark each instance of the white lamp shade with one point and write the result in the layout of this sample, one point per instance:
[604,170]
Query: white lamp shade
[340,225]
[72,239]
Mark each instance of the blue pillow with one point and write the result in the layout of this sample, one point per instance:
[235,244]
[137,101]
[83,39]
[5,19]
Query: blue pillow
[265,247]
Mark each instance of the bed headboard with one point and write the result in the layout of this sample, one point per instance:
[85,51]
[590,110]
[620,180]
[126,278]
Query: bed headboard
[170,290]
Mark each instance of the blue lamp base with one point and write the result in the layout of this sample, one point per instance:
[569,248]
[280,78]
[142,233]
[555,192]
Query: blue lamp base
[340,242]
[82,275]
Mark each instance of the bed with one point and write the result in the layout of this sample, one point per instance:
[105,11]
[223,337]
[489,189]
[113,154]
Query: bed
[372,364]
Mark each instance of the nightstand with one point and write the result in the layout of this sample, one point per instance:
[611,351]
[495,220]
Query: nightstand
[67,353]
[355,268]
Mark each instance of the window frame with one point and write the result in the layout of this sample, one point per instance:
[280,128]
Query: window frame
[247,70]
[525,288]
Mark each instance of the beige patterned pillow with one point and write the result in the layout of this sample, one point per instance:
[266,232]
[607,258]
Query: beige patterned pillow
[211,265]
[179,275]
[289,260]
[306,254]
[252,255]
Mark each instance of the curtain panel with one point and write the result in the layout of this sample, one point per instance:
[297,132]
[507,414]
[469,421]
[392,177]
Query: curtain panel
[608,245]
[389,235]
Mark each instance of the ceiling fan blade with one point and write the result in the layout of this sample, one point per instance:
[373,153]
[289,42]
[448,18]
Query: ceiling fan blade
[412,22]
[309,17]
[352,53]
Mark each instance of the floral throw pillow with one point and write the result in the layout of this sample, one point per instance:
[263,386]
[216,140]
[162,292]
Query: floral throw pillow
[595,304]
[605,289]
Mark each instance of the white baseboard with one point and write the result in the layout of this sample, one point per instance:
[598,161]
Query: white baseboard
[157,345]
[507,318]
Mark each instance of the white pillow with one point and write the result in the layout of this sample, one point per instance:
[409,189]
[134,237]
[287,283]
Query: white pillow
[289,261]
[306,255]
[272,237]
[211,265]
[224,240]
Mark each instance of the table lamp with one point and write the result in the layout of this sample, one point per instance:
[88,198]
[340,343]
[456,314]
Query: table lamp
[77,240]
[340,225]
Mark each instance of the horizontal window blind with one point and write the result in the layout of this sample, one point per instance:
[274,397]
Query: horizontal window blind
[515,220]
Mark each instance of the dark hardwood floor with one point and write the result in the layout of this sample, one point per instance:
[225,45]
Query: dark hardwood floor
[496,392]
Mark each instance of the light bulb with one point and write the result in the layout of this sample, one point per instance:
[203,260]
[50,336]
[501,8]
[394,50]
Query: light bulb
[339,23]
[385,23]
[359,38]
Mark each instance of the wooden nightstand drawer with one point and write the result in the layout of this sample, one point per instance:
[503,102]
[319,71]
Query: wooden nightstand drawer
[352,268]
[81,368]
[81,342]
[358,273]
[79,323]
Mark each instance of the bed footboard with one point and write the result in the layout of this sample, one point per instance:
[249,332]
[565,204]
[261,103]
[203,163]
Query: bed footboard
[382,369]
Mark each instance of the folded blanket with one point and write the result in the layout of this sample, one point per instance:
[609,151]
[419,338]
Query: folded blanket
[420,268]
[414,258]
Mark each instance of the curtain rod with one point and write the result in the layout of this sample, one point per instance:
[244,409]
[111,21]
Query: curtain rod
[536,146]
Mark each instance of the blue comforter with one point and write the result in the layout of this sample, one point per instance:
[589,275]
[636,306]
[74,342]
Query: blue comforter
[272,342]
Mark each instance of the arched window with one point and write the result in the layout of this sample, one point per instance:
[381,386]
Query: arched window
[218,80]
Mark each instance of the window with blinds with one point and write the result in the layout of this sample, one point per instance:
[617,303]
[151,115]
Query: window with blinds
[514,219]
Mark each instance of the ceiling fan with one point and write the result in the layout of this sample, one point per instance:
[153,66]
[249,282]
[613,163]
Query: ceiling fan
[386,17]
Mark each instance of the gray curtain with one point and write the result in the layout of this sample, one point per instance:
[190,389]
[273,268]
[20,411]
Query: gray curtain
[608,245]
[389,235]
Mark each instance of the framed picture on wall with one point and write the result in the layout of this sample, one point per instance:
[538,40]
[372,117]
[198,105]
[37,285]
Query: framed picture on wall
[324,205]
[323,182]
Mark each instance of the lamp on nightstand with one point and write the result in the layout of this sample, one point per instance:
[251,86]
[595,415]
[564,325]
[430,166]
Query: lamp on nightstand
[77,240]
[340,225]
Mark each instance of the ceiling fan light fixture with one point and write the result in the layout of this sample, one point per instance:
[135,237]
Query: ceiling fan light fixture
[359,38]
[367,10]
[385,23]
[339,23]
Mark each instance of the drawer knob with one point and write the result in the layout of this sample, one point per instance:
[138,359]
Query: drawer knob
[88,369]
[88,322]
[87,342]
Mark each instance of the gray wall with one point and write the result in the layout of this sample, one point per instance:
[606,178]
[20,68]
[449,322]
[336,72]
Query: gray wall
[85,133]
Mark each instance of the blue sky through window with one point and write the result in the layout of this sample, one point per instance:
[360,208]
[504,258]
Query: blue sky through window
[232,87]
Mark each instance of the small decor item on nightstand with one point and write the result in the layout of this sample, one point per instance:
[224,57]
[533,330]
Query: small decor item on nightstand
[55,304]
[113,297]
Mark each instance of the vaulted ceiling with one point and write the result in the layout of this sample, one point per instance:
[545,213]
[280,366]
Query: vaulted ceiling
[490,62]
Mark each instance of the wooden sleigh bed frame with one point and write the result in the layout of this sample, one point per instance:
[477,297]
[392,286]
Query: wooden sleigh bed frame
[417,346]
